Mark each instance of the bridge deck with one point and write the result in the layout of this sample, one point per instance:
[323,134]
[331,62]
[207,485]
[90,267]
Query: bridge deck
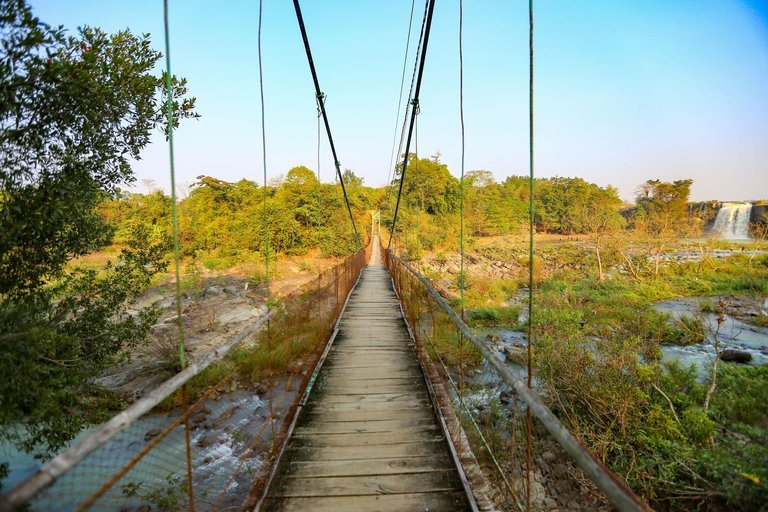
[368,438]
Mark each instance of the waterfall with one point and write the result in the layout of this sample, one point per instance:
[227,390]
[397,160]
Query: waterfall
[732,221]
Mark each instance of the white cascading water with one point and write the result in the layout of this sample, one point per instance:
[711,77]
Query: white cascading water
[732,221]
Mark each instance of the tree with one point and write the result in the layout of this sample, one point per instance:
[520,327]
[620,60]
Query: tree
[480,194]
[429,186]
[662,197]
[599,218]
[351,180]
[74,111]
[758,230]
[662,217]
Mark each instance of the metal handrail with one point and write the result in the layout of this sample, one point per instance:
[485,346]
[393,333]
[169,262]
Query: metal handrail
[56,467]
[614,488]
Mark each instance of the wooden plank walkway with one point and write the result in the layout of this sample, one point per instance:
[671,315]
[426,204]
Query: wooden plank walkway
[368,438]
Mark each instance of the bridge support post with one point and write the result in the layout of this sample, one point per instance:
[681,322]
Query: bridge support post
[375,222]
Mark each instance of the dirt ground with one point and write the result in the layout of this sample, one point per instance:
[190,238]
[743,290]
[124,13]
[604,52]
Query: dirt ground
[216,307]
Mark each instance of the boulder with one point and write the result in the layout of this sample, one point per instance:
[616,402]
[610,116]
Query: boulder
[213,291]
[232,290]
[735,356]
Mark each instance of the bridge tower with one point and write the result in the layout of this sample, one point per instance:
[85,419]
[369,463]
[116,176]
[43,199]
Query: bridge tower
[375,222]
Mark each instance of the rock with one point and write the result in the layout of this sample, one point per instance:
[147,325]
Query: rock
[232,290]
[143,508]
[735,356]
[515,353]
[203,442]
[198,418]
[213,291]
[550,503]
[161,329]
[548,456]
[174,319]
[151,433]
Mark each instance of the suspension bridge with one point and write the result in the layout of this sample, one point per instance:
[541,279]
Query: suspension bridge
[369,437]
[383,416]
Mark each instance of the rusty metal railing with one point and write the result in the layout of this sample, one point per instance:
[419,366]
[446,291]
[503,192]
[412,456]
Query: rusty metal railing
[528,459]
[205,439]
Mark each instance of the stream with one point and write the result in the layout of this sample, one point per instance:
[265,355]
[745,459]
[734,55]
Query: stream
[734,334]
[223,431]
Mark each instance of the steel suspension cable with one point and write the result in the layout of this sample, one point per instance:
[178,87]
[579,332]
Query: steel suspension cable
[319,95]
[264,158]
[414,107]
[400,95]
[413,82]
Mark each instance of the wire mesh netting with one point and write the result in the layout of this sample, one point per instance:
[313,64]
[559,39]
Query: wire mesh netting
[511,459]
[210,445]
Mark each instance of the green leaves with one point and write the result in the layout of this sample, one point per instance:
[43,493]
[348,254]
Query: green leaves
[74,110]
[54,341]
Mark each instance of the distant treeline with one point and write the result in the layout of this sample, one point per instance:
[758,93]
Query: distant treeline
[297,212]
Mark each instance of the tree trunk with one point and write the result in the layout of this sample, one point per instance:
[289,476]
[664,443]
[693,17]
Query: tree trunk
[600,276]
[630,265]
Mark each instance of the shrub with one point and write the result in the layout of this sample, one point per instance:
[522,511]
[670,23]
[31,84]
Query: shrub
[493,317]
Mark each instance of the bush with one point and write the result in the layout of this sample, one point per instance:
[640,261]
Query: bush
[697,426]
[493,317]
[741,395]
[690,330]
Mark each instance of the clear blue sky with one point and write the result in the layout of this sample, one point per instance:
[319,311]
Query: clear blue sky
[625,90]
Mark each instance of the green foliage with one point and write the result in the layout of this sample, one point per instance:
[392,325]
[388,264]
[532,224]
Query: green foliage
[166,498]
[222,224]
[571,205]
[597,350]
[664,199]
[75,110]
[429,186]
[741,396]
[493,317]
[55,340]
[192,280]
[698,428]
[691,329]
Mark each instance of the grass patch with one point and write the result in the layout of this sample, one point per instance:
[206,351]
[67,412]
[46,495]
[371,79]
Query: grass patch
[493,316]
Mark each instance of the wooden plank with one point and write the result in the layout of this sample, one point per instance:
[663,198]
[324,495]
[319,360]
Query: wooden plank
[357,467]
[370,415]
[399,399]
[370,452]
[379,380]
[374,372]
[372,392]
[420,502]
[395,388]
[424,423]
[363,439]
[375,385]
[367,438]
[433,481]
[369,407]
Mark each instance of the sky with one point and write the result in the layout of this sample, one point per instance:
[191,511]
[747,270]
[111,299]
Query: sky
[625,91]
